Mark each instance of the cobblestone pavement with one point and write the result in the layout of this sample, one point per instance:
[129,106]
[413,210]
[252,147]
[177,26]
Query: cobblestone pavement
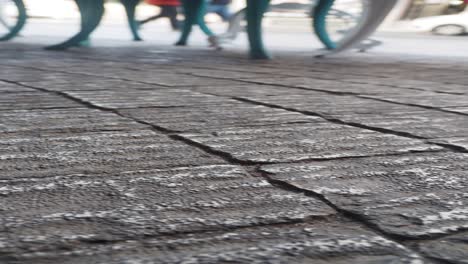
[165,155]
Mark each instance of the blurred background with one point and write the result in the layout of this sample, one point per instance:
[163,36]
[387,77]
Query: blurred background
[421,26]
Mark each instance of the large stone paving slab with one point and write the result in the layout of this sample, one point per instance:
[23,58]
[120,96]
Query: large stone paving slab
[25,74]
[427,123]
[413,120]
[67,213]
[6,87]
[177,80]
[34,100]
[116,99]
[68,120]
[295,142]
[414,195]
[217,117]
[452,249]
[326,104]
[320,242]
[462,110]
[395,82]
[336,85]
[460,142]
[86,83]
[429,99]
[57,154]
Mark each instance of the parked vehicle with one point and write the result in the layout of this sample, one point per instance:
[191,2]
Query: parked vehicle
[448,25]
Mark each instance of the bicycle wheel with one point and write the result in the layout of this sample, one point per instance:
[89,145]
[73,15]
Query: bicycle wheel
[335,20]
[12,18]
[343,24]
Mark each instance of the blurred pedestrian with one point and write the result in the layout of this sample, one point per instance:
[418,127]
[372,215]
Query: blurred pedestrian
[194,11]
[221,8]
[168,8]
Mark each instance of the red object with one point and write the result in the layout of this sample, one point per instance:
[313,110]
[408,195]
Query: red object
[163,2]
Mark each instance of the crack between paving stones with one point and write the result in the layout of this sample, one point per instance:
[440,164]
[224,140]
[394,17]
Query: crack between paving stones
[245,80]
[338,73]
[176,234]
[358,95]
[40,108]
[415,105]
[241,60]
[174,134]
[354,217]
[448,146]
[280,184]
[259,83]
[318,78]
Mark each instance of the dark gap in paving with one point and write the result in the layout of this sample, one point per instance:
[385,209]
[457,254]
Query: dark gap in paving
[409,104]
[280,184]
[223,155]
[321,78]
[407,241]
[345,93]
[338,121]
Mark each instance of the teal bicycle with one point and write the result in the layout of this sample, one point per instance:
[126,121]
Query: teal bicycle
[368,17]
[12,18]
[332,28]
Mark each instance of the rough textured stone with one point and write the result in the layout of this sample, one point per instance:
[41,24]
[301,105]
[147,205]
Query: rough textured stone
[461,142]
[427,124]
[68,212]
[411,195]
[321,242]
[452,249]
[335,85]
[398,118]
[463,110]
[283,143]
[34,100]
[217,117]
[430,99]
[89,186]
[87,83]
[6,87]
[326,104]
[63,121]
[145,98]
[91,152]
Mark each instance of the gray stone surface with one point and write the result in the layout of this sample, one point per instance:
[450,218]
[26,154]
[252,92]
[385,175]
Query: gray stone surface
[315,102]
[6,87]
[70,212]
[163,97]
[285,143]
[86,83]
[48,155]
[323,242]
[451,249]
[229,114]
[429,99]
[155,154]
[413,120]
[462,110]
[414,195]
[460,142]
[34,100]
[69,120]
[335,85]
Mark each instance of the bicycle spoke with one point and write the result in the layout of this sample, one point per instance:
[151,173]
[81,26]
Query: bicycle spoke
[4,23]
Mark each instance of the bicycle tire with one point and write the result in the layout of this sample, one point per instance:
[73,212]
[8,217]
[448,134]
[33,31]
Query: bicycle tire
[319,18]
[20,22]
[327,12]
